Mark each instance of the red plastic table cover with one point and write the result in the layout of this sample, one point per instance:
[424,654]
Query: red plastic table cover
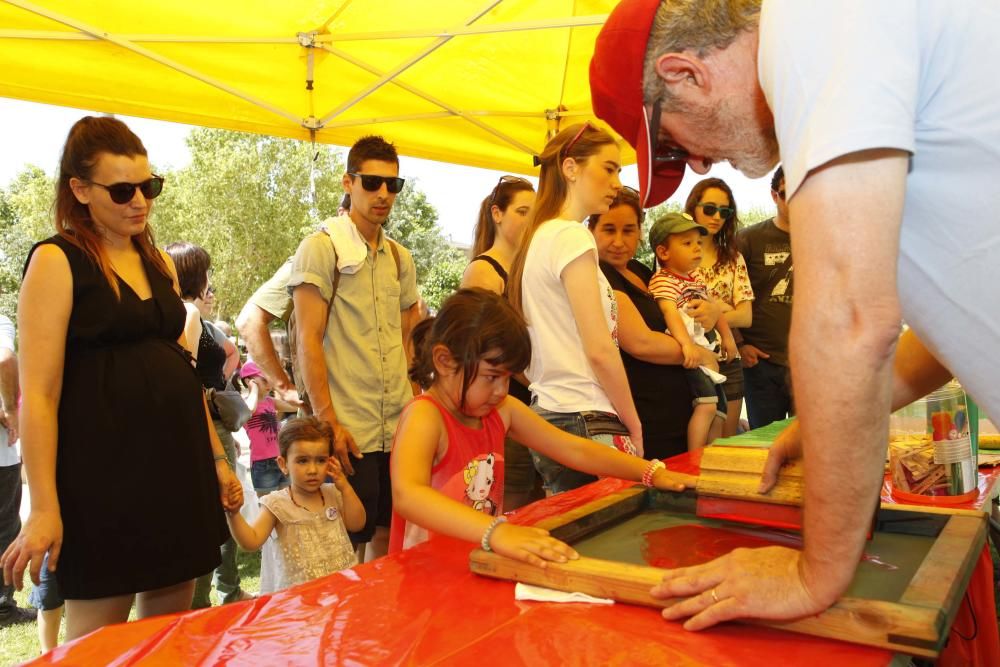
[424,607]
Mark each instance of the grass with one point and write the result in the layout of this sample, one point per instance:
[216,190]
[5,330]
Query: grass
[19,643]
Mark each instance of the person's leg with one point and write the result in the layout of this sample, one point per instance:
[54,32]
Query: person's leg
[379,544]
[166,600]
[701,423]
[766,393]
[227,576]
[365,484]
[49,621]
[85,616]
[45,597]
[202,592]
[557,477]
[10,526]
[733,370]
[732,425]
[519,476]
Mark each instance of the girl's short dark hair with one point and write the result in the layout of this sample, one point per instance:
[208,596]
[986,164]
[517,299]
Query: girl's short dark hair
[192,263]
[303,428]
[471,323]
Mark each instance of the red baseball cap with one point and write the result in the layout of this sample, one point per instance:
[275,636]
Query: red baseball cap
[616,93]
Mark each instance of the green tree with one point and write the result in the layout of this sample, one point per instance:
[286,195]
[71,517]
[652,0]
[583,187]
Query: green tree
[25,218]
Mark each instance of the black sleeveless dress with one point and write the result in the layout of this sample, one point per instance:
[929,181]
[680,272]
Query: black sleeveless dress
[134,472]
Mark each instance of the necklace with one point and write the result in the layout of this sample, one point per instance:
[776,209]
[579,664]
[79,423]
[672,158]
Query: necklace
[329,512]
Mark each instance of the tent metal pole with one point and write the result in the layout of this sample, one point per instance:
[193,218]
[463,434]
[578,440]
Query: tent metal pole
[403,66]
[155,57]
[513,26]
[433,100]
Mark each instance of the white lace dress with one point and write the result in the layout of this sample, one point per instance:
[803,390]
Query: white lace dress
[304,545]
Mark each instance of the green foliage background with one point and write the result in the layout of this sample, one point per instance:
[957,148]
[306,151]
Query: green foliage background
[246,199]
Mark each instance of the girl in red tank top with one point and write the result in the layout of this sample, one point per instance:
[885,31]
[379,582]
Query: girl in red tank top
[447,456]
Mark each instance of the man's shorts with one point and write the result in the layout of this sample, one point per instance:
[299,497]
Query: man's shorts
[371,482]
[733,386]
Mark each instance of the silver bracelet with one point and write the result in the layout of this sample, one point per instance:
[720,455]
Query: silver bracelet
[485,542]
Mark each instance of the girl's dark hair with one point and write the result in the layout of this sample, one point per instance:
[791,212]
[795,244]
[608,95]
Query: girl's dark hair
[725,239]
[192,263]
[303,428]
[471,323]
[501,196]
[625,197]
[553,190]
[88,138]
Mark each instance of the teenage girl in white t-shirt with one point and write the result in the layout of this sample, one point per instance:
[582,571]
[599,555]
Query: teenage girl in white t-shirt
[577,379]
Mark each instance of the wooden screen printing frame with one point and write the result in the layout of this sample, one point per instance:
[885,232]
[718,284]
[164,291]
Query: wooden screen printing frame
[917,623]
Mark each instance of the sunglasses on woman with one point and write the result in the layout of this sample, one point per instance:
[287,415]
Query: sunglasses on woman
[508,180]
[373,183]
[711,209]
[123,193]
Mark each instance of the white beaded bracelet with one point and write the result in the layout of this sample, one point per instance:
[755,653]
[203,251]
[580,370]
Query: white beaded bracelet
[485,543]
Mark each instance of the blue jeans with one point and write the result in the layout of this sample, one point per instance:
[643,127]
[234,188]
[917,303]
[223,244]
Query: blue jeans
[557,477]
[267,476]
[768,393]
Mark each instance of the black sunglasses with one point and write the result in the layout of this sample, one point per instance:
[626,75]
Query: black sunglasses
[711,209]
[373,183]
[662,153]
[123,193]
[781,194]
[508,180]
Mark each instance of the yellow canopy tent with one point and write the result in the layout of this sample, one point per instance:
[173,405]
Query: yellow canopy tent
[475,82]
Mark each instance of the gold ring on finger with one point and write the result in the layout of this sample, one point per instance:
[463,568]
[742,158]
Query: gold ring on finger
[714,596]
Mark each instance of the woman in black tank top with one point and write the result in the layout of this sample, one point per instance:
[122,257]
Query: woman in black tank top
[502,216]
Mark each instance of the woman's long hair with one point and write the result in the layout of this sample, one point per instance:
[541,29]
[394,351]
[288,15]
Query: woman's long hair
[501,196]
[88,138]
[583,141]
[725,238]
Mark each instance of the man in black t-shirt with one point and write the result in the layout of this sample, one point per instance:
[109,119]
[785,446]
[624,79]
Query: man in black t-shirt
[767,249]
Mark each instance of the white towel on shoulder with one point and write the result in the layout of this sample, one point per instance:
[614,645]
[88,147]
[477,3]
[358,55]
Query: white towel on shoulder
[347,241]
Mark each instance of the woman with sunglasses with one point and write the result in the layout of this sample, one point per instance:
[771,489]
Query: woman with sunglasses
[503,215]
[724,271]
[108,392]
[652,359]
[577,379]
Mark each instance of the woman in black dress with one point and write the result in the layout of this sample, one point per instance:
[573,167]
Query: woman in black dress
[117,441]
[652,358]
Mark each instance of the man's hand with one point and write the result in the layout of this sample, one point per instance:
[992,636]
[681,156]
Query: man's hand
[344,447]
[289,395]
[745,583]
[787,446]
[9,421]
[751,355]
[705,312]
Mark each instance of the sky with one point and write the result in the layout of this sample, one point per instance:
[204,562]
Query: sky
[33,133]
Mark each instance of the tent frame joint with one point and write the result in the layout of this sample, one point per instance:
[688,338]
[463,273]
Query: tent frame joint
[312,123]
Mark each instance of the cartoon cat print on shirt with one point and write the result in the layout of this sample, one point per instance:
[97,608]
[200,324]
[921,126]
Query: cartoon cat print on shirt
[479,480]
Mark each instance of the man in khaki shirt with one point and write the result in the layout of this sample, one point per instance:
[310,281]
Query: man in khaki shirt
[353,326]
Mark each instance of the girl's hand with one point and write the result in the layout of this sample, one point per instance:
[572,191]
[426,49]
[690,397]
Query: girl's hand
[636,440]
[529,544]
[668,480]
[336,471]
[729,349]
[230,489]
[42,532]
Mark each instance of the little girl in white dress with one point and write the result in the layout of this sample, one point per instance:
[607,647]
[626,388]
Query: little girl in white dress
[309,519]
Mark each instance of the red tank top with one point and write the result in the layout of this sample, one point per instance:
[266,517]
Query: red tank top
[471,472]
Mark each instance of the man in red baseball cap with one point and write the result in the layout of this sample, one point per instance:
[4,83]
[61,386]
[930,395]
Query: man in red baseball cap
[878,108]
[620,66]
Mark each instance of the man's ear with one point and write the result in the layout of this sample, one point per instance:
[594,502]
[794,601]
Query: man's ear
[444,363]
[680,71]
[347,181]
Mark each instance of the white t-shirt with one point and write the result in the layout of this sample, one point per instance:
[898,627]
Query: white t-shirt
[918,76]
[560,375]
[8,452]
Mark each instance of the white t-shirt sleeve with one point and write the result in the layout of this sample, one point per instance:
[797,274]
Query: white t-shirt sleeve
[567,244]
[840,77]
[6,333]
